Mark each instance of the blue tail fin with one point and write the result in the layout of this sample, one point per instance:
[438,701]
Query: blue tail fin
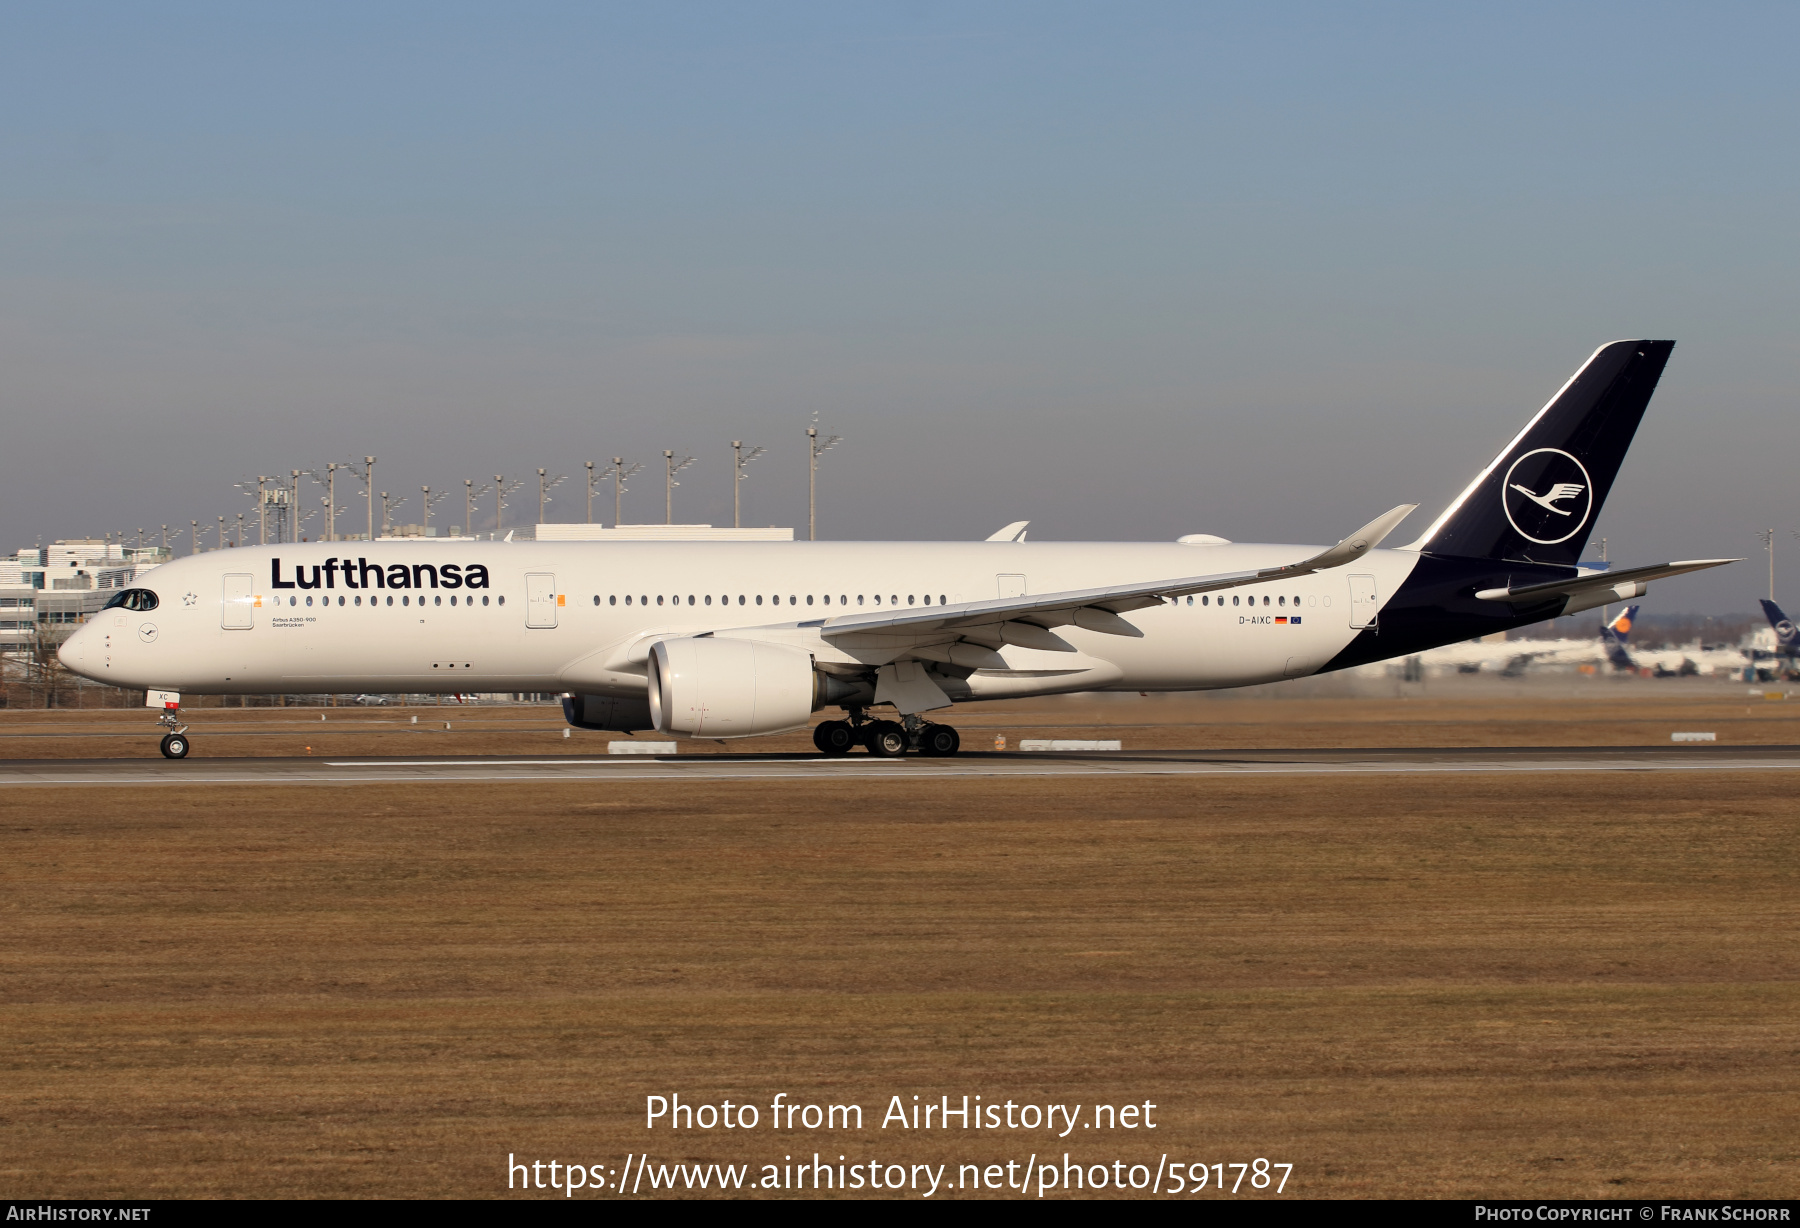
[1787,636]
[1538,500]
[1615,634]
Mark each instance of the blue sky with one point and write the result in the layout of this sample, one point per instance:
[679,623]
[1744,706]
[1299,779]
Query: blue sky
[1128,270]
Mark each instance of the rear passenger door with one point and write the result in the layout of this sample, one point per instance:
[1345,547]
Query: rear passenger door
[1363,605]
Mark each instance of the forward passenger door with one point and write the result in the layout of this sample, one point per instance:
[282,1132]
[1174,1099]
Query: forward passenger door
[239,595]
[540,599]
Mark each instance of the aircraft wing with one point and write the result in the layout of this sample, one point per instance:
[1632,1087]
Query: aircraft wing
[1579,586]
[1026,620]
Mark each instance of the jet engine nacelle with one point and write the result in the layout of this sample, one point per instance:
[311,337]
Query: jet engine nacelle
[607,712]
[717,688]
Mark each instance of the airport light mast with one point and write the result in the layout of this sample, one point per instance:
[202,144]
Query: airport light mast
[1768,541]
[331,468]
[470,494]
[590,497]
[814,450]
[194,540]
[501,490]
[675,467]
[738,461]
[544,489]
[431,501]
[368,478]
[620,473]
[388,510]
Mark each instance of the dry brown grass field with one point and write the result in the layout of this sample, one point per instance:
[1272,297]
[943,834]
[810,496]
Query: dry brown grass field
[1487,985]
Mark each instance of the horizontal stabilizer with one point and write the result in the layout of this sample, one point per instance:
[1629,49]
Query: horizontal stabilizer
[1014,532]
[1582,585]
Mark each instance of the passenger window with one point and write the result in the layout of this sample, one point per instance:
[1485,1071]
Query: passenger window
[709,599]
[1281,601]
[740,599]
[843,599]
[941,599]
[484,601]
[1265,599]
[501,600]
[309,601]
[793,600]
[759,599]
[809,598]
[893,599]
[614,599]
[690,599]
[1234,599]
[909,599]
[659,599]
[438,600]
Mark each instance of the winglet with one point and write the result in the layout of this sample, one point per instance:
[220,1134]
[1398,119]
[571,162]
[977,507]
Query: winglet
[1014,532]
[1352,547]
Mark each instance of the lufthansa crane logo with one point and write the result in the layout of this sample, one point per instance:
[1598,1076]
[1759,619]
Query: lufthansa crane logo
[1547,496]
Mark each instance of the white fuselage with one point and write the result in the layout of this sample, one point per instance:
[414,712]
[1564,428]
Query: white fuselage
[573,616]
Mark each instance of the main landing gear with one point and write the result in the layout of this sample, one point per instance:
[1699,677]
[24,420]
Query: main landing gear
[886,739]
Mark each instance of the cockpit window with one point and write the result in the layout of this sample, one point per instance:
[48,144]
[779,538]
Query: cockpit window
[141,600]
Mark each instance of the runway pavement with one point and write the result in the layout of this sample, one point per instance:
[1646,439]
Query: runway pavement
[342,771]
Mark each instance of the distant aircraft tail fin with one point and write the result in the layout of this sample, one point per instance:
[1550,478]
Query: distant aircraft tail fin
[1615,634]
[1621,625]
[1537,501]
[1787,636]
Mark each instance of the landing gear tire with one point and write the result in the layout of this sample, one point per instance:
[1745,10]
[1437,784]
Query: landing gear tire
[886,740]
[939,741]
[175,746]
[834,738]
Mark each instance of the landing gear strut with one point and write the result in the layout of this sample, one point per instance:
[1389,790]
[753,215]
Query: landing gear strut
[175,744]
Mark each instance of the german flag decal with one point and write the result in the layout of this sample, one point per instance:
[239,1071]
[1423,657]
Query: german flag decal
[1279,621]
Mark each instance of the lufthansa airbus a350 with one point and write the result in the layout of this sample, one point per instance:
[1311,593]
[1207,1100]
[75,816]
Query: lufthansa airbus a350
[731,640]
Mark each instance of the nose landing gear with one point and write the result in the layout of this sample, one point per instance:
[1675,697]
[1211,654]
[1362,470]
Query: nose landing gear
[175,744]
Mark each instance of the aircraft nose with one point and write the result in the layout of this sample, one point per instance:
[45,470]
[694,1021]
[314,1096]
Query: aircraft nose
[77,650]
